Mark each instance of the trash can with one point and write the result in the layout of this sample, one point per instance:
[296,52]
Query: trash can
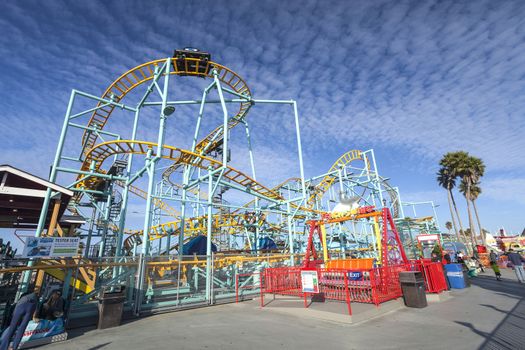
[466,276]
[413,287]
[110,306]
[455,276]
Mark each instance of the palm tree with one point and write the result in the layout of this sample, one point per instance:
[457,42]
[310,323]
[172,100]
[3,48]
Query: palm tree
[470,169]
[447,179]
[475,191]
[448,226]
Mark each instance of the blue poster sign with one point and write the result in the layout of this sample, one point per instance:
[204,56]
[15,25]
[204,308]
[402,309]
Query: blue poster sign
[355,275]
[43,329]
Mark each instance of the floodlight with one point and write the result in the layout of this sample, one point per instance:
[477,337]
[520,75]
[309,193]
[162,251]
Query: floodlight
[168,110]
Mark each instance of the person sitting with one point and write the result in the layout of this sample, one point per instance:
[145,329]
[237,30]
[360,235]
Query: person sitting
[54,306]
[477,262]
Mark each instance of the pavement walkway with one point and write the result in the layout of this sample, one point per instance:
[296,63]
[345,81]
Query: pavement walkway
[489,315]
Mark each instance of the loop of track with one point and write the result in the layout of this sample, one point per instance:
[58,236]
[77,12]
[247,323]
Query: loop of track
[145,72]
[328,180]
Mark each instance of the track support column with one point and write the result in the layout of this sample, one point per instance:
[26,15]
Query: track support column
[150,166]
[52,178]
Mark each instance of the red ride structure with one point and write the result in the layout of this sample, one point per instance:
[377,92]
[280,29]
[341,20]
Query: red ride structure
[392,251]
[352,280]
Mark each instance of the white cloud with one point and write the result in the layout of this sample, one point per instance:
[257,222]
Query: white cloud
[505,190]
[421,78]
[423,196]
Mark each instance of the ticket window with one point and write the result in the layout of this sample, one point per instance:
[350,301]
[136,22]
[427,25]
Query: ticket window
[427,247]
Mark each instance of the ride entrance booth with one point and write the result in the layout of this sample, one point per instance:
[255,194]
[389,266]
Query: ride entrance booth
[428,245]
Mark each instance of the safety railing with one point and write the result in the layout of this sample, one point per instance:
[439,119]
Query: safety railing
[361,285]
[246,284]
[435,280]
[386,284]
[167,282]
[374,286]
[333,284]
[282,280]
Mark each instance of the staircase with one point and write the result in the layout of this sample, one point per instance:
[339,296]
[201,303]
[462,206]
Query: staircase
[223,235]
[108,229]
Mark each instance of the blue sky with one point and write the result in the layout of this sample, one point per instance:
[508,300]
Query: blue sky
[411,79]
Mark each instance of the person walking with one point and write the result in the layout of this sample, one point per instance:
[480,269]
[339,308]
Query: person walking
[24,311]
[517,261]
[493,257]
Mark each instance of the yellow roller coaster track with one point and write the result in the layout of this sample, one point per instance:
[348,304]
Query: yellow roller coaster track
[101,152]
[145,72]
[157,202]
[328,180]
[276,189]
[192,227]
[197,225]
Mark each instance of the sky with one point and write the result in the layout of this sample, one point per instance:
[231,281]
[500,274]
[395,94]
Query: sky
[410,79]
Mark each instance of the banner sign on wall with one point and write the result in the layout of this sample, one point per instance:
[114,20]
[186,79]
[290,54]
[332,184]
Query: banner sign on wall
[51,247]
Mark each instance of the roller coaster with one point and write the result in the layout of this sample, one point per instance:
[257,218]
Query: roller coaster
[186,189]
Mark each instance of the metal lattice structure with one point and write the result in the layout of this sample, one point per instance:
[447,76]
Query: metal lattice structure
[184,194]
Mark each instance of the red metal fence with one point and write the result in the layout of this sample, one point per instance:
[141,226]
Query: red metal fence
[374,286]
[332,284]
[282,280]
[435,281]
[386,283]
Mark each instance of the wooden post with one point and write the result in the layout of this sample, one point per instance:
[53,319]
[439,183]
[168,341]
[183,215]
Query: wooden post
[54,217]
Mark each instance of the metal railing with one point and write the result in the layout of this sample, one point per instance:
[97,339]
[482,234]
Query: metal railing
[168,281]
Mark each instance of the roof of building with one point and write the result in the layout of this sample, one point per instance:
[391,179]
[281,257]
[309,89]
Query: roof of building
[22,196]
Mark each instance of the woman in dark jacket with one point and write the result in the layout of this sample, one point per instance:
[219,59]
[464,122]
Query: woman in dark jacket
[54,306]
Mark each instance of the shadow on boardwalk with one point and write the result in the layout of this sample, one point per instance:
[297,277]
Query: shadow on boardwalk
[510,332]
